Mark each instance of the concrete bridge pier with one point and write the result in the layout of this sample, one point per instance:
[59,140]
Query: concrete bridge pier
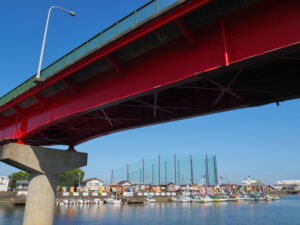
[44,165]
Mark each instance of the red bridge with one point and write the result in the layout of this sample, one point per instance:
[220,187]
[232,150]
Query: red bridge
[161,63]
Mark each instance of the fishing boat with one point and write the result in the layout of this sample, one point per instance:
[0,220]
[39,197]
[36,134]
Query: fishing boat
[182,199]
[66,202]
[271,198]
[71,202]
[257,196]
[222,197]
[97,201]
[113,201]
[58,203]
[80,202]
[197,199]
[206,198]
[150,199]
[249,198]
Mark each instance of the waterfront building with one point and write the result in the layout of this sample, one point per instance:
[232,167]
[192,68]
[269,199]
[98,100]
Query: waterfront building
[288,182]
[92,184]
[22,187]
[4,183]
[287,185]
[124,183]
[168,186]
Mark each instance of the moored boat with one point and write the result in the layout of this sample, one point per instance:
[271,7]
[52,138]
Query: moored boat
[182,199]
[206,198]
[80,202]
[271,198]
[113,201]
[150,199]
[96,201]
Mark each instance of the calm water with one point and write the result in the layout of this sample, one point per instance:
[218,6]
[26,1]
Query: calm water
[285,211]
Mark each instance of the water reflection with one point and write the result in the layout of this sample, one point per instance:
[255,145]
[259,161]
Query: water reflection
[10,215]
[282,212]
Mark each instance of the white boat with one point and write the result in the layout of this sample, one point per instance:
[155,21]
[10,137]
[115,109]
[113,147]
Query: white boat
[271,198]
[150,199]
[66,202]
[206,198]
[197,199]
[244,197]
[113,201]
[59,203]
[97,201]
[71,202]
[182,199]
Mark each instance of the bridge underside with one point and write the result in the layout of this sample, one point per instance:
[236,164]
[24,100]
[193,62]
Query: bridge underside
[256,84]
[194,60]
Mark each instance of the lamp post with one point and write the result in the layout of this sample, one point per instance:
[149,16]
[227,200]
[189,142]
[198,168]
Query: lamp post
[38,75]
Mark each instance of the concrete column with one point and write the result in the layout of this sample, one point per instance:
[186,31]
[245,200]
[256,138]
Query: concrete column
[43,164]
[41,195]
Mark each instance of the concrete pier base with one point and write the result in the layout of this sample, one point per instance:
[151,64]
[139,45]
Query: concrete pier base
[41,192]
[43,164]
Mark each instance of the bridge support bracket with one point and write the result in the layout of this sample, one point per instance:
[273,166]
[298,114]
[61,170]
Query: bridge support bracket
[44,165]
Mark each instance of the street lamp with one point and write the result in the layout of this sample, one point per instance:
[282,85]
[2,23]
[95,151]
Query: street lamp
[38,76]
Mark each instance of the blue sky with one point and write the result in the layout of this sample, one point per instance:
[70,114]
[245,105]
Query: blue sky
[262,142]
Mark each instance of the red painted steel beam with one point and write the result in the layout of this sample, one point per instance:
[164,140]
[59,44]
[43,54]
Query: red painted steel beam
[115,64]
[224,39]
[41,100]
[3,120]
[18,109]
[187,34]
[249,33]
[71,85]
[147,28]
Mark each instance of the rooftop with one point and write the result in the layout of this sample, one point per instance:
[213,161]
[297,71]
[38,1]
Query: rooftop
[90,179]
[22,182]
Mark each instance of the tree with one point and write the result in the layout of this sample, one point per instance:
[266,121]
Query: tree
[71,178]
[17,176]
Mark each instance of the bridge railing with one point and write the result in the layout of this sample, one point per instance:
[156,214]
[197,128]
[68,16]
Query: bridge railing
[101,39]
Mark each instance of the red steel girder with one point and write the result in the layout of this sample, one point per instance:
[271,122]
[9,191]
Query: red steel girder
[155,24]
[248,34]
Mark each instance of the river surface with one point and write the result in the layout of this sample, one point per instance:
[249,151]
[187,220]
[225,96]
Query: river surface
[285,211]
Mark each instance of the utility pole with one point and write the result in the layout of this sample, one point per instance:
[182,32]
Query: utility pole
[206,170]
[175,169]
[127,172]
[216,170]
[112,176]
[192,172]
[178,172]
[165,171]
[152,174]
[158,169]
[143,171]
[140,176]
